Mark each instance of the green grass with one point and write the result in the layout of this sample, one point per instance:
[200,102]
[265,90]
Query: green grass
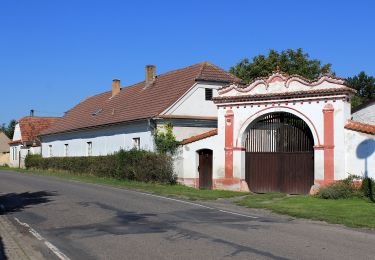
[355,212]
[161,189]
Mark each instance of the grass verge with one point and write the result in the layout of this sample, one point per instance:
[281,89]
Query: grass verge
[161,189]
[354,212]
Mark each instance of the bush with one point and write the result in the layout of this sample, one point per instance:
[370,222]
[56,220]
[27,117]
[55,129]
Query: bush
[131,165]
[343,189]
[368,187]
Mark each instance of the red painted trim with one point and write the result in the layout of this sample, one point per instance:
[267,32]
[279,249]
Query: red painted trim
[319,147]
[239,149]
[229,124]
[328,114]
[306,117]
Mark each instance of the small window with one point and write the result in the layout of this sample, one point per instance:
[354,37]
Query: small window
[89,148]
[50,150]
[14,151]
[208,93]
[137,143]
[66,150]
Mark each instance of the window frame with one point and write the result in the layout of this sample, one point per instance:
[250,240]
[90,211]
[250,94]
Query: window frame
[208,94]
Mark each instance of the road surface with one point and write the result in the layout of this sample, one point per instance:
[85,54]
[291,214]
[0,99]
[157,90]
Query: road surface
[88,221]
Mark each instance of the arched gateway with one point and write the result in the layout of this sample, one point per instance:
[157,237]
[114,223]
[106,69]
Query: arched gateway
[281,133]
[279,154]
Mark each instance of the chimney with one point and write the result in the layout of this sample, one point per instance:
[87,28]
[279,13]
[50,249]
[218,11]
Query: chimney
[32,112]
[115,87]
[150,74]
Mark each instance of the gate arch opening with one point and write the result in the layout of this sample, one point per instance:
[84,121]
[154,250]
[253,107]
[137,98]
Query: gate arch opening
[279,154]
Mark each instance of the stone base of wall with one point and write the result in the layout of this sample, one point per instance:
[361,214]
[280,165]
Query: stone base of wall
[233,184]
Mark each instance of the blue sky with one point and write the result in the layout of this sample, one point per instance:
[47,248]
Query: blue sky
[53,54]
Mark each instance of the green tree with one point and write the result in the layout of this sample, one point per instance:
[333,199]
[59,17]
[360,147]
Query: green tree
[165,141]
[289,61]
[9,129]
[365,86]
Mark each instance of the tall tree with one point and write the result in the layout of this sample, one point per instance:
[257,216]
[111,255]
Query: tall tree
[9,129]
[289,61]
[365,86]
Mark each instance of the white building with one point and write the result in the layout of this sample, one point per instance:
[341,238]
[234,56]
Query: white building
[123,118]
[25,138]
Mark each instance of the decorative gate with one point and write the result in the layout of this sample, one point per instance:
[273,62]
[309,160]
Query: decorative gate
[279,154]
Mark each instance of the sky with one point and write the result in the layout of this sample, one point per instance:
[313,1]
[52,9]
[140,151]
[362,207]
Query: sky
[54,54]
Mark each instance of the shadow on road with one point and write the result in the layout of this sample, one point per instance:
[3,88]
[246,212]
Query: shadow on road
[14,202]
[2,250]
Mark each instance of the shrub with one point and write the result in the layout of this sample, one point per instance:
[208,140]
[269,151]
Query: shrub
[166,142]
[343,189]
[131,165]
[368,187]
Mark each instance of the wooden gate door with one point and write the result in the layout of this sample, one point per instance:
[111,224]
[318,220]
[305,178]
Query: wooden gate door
[279,155]
[205,169]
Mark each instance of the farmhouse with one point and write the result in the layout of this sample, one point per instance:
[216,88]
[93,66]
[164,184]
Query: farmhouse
[125,118]
[4,149]
[281,133]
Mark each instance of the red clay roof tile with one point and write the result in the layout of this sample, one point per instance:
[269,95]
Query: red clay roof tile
[31,127]
[199,137]
[137,101]
[360,127]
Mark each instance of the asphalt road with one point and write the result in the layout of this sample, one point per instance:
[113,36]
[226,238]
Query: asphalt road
[87,221]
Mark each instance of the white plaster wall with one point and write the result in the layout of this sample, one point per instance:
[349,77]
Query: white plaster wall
[193,102]
[181,132]
[17,133]
[14,163]
[106,140]
[359,151]
[365,115]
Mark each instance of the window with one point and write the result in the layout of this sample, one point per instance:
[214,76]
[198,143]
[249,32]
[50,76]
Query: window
[50,150]
[14,153]
[208,93]
[89,148]
[66,149]
[137,143]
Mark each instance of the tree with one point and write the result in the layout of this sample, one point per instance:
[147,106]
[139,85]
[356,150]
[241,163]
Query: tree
[165,141]
[289,61]
[365,86]
[9,130]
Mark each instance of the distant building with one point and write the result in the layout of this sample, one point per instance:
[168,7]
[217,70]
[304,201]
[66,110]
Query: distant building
[4,149]
[25,138]
[365,113]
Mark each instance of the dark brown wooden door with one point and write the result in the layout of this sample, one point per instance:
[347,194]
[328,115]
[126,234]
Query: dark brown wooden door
[279,155]
[205,169]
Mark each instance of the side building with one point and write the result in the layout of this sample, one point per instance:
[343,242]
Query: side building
[25,138]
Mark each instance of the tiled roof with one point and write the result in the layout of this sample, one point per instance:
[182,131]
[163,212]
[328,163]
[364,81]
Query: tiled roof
[360,127]
[31,127]
[283,95]
[137,101]
[199,137]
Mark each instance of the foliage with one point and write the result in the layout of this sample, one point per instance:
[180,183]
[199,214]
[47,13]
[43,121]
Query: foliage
[135,165]
[9,129]
[343,189]
[368,187]
[352,212]
[289,61]
[165,141]
[365,86]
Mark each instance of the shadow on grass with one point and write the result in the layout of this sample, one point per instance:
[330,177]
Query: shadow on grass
[14,202]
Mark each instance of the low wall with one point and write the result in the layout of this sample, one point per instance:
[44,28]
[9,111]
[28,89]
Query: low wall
[4,159]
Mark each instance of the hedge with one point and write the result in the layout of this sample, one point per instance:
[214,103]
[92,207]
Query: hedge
[135,165]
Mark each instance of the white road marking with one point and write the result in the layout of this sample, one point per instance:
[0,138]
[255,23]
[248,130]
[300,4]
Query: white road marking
[166,198]
[53,248]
